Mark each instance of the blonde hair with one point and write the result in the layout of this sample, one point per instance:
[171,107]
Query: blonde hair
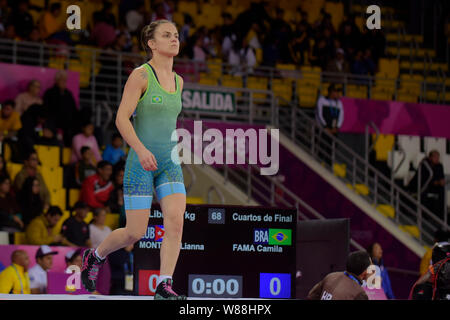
[148,33]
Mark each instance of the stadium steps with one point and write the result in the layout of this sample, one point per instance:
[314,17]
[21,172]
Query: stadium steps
[381,214]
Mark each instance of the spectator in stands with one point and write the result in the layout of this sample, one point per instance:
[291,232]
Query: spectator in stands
[23,21]
[349,38]
[84,167]
[432,187]
[31,203]
[29,97]
[338,65]
[85,138]
[30,169]
[37,128]
[376,254]
[14,279]
[375,41]
[319,55]
[74,229]
[439,236]
[3,171]
[368,60]
[62,110]
[300,43]
[10,122]
[73,258]
[344,285]
[10,219]
[97,229]
[50,23]
[241,57]
[160,13]
[185,29]
[106,15]
[135,18]
[103,32]
[96,189]
[330,116]
[38,273]
[5,11]
[120,262]
[113,152]
[115,201]
[270,51]
[40,229]
[281,31]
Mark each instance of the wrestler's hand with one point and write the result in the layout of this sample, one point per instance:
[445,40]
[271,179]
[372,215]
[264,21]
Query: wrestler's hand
[147,160]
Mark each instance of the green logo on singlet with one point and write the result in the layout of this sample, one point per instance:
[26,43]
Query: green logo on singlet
[156,99]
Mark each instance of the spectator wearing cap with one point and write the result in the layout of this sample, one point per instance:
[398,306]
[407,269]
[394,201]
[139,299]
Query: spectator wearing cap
[39,231]
[14,279]
[338,65]
[38,274]
[73,258]
[74,229]
[96,189]
[439,236]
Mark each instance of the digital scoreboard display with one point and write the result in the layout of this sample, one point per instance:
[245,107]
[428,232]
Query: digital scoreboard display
[226,252]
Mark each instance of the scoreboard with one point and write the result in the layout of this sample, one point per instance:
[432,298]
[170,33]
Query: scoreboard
[226,252]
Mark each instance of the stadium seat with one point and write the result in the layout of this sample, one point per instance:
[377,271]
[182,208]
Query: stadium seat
[7,152]
[112,220]
[340,170]
[411,229]
[384,82]
[445,160]
[307,95]
[231,81]
[53,177]
[386,210]
[195,200]
[417,159]
[258,83]
[74,196]
[49,156]
[356,91]
[384,144]
[411,145]
[66,155]
[13,169]
[207,79]
[20,238]
[282,88]
[393,162]
[439,144]
[378,94]
[58,198]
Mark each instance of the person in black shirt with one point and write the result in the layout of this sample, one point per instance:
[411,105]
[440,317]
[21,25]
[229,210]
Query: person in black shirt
[74,229]
[432,182]
[22,20]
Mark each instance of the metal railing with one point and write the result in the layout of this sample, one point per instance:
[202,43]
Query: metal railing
[107,75]
[103,73]
[359,173]
[262,188]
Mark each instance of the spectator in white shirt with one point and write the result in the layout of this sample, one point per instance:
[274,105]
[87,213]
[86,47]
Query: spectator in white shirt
[38,274]
[97,229]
